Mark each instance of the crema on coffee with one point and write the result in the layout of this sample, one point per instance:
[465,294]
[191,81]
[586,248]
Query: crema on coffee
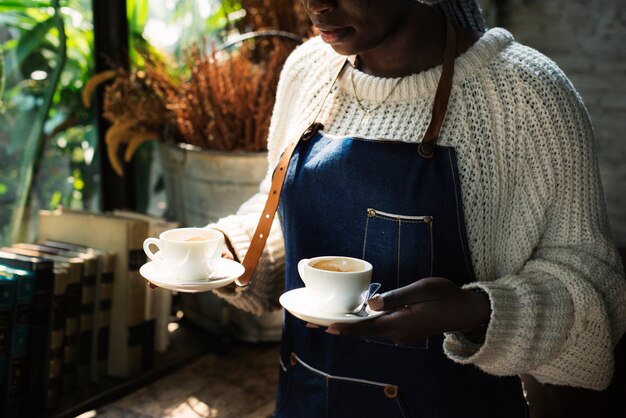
[338,264]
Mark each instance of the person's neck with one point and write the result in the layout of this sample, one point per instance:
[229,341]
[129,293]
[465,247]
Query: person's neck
[416,45]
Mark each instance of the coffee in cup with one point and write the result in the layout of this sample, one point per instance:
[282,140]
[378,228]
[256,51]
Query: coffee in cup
[335,284]
[187,253]
[342,264]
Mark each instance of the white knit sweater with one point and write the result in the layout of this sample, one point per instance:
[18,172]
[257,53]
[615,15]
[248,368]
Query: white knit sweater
[534,206]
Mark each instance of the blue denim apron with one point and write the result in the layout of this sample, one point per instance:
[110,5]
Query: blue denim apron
[381,201]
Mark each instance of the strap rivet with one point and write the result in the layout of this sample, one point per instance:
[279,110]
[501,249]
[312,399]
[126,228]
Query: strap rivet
[391,391]
[425,150]
[313,129]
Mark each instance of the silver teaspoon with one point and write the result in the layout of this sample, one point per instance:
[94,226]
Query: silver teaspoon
[371,291]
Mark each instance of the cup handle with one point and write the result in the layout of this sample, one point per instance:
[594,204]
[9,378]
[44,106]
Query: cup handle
[152,256]
[301,265]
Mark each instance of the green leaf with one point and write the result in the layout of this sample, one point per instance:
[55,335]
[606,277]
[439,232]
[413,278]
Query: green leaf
[22,4]
[18,20]
[137,13]
[1,75]
[33,39]
[55,200]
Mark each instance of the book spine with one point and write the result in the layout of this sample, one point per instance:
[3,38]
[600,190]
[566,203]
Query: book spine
[17,390]
[85,335]
[106,302]
[57,338]
[70,352]
[38,358]
[135,313]
[7,302]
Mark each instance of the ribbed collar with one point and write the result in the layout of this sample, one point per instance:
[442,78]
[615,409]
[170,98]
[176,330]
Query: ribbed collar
[374,89]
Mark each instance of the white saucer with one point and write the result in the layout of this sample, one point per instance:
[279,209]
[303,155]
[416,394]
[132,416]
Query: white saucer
[298,303]
[227,272]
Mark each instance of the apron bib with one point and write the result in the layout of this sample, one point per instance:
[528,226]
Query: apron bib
[388,203]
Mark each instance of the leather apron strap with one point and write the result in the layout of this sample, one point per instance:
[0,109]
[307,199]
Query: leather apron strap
[257,244]
[442,96]
[425,149]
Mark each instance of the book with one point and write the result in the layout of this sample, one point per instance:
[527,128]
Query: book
[70,313]
[62,270]
[158,301]
[124,237]
[18,393]
[8,285]
[80,273]
[102,304]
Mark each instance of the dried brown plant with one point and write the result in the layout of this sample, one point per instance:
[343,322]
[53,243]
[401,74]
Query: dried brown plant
[130,97]
[225,103]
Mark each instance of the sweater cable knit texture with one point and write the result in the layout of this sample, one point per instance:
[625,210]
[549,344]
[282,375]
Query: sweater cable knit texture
[535,214]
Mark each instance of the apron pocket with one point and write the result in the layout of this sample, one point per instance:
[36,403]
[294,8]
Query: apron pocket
[312,393]
[400,247]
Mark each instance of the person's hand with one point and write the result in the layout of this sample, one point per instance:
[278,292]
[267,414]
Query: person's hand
[226,253]
[427,307]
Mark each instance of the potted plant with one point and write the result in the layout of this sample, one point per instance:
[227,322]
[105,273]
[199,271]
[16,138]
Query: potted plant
[210,116]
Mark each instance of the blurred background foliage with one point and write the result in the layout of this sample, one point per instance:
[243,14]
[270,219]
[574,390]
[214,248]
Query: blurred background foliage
[48,140]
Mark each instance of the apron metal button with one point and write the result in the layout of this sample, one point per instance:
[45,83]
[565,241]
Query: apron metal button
[391,391]
[292,359]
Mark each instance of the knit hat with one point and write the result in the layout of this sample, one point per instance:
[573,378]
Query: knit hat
[464,13]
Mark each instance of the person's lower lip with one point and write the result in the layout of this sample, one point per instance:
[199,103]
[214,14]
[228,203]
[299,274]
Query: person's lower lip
[333,36]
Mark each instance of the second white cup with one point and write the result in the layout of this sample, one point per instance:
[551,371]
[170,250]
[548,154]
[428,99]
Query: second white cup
[335,284]
[187,253]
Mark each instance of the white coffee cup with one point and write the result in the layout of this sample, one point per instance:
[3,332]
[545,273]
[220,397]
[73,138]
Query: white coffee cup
[187,253]
[335,284]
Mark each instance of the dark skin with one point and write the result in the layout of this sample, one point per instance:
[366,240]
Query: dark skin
[396,38]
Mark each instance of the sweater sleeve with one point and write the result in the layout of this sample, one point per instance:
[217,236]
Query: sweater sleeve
[561,314]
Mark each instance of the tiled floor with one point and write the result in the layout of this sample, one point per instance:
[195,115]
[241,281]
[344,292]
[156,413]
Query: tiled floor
[240,384]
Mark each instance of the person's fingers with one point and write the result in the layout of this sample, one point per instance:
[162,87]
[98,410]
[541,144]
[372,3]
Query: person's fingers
[423,290]
[376,303]
[376,327]
[227,254]
[312,326]
[396,298]
[152,285]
